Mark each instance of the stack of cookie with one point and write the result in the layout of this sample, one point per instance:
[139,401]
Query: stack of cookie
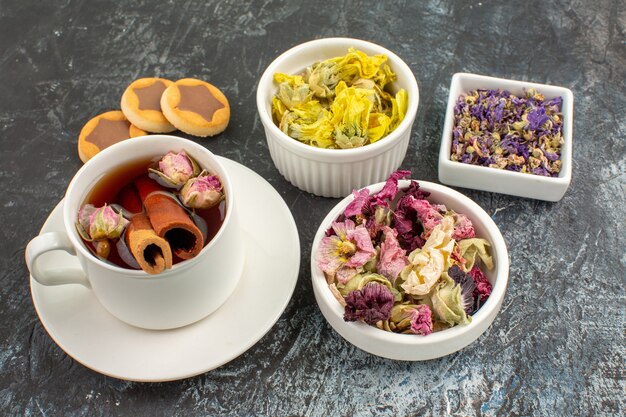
[157,105]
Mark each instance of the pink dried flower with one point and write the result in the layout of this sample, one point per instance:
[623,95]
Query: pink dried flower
[202,192]
[463,227]
[359,204]
[427,214]
[393,258]
[175,169]
[412,318]
[421,320]
[101,223]
[343,253]
[430,215]
[365,205]
[415,219]
[483,286]
[390,189]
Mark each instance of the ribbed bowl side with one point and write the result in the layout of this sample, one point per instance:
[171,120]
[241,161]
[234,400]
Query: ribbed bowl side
[336,179]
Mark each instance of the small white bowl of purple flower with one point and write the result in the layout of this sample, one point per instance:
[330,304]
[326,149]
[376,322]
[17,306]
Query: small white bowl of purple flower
[409,270]
[506,136]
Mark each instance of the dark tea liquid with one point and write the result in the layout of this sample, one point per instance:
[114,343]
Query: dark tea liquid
[121,179]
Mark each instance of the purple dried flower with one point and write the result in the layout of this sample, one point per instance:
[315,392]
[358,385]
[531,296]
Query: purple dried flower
[370,304]
[525,124]
[551,156]
[405,222]
[541,171]
[553,105]
[507,144]
[536,118]
[486,161]
[467,287]
[498,112]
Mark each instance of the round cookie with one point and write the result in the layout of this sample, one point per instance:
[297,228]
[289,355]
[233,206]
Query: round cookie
[103,131]
[141,104]
[196,107]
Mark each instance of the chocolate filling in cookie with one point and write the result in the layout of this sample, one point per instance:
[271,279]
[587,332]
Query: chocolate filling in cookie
[150,96]
[107,132]
[198,99]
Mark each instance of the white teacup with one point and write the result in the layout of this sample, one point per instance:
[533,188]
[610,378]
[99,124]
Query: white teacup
[184,294]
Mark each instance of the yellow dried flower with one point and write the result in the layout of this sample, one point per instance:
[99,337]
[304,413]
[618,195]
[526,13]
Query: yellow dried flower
[340,102]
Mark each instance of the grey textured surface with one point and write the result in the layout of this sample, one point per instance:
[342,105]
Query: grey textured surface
[557,347]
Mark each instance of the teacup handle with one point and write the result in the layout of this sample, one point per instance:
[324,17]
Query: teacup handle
[47,242]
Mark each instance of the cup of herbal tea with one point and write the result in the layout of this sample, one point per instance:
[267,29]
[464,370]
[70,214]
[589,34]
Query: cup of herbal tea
[154,226]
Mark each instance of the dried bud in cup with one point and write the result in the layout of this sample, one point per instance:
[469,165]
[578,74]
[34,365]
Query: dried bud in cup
[82,225]
[202,192]
[105,223]
[175,169]
[100,223]
[103,248]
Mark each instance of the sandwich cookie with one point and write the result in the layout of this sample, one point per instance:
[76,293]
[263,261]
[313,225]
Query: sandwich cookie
[103,131]
[196,107]
[141,104]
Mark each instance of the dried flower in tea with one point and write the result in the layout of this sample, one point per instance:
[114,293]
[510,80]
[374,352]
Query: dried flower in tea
[152,214]
[202,192]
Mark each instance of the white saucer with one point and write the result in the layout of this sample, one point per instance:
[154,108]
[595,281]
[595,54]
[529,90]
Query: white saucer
[88,333]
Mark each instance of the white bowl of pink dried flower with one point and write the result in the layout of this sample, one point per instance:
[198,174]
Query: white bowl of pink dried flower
[409,270]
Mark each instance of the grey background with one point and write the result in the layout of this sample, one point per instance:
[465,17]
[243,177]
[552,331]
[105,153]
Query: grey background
[557,347]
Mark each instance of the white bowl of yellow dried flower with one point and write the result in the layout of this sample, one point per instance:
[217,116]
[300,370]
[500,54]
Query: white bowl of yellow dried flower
[337,114]
[409,270]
